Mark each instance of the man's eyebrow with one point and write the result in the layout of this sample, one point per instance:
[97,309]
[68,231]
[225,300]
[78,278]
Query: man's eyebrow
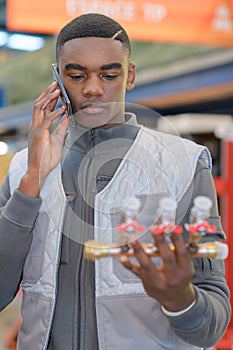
[75,66]
[111,66]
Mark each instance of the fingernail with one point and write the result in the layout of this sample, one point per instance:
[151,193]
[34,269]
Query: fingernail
[123,258]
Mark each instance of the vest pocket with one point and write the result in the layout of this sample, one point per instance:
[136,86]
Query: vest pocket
[102,181]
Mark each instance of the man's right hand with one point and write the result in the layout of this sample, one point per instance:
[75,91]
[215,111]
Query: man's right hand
[44,148]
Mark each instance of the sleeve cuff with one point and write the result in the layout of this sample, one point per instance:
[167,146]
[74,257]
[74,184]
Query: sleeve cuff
[22,209]
[177,313]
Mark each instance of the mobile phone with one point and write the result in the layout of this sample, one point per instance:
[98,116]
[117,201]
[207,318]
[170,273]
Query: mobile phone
[64,96]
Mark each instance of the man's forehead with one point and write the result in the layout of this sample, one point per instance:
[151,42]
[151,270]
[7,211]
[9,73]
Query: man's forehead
[86,50]
[94,46]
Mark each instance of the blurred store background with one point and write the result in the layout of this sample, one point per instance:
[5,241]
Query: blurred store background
[184,56]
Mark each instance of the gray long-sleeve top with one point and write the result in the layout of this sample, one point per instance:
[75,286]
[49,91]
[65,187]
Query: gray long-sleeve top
[74,325]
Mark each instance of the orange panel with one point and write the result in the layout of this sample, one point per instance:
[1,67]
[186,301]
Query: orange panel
[193,21]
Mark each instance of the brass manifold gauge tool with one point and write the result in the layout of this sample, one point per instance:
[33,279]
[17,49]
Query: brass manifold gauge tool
[165,225]
[94,250]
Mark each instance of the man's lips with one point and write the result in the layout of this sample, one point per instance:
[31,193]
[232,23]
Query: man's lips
[93,108]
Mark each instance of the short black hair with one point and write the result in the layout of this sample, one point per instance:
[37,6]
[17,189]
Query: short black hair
[92,25]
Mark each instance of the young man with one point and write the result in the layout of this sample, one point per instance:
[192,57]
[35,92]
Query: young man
[69,187]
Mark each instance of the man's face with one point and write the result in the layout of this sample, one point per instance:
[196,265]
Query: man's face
[96,74]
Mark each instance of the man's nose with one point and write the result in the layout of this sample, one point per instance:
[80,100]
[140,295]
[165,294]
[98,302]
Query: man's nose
[93,87]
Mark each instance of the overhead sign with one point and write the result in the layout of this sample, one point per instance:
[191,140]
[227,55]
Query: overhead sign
[194,21]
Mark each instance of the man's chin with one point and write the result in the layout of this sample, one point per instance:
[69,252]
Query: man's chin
[95,120]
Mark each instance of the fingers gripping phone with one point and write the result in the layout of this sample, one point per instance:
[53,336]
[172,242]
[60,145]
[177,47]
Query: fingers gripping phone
[64,97]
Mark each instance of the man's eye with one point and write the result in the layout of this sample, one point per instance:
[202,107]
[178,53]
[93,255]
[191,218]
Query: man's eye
[109,76]
[78,77]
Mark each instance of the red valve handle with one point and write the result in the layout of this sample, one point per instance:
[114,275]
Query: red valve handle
[203,226]
[161,229]
[131,225]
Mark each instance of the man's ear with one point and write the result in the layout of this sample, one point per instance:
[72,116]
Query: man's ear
[131,76]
